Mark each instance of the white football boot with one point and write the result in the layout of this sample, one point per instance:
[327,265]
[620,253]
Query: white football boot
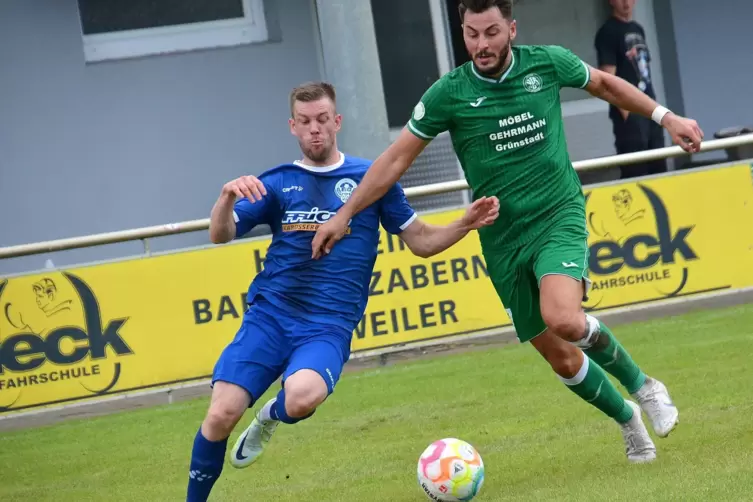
[639,447]
[250,445]
[658,406]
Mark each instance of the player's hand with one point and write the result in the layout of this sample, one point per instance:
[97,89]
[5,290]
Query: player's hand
[327,235]
[481,213]
[249,187]
[685,132]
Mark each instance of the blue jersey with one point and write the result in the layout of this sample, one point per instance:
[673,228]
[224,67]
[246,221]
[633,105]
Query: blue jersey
[334,288]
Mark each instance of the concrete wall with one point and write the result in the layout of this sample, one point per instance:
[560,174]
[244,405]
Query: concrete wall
[117,145]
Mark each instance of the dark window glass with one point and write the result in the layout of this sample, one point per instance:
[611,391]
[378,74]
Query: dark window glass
[106,16]
[407,54]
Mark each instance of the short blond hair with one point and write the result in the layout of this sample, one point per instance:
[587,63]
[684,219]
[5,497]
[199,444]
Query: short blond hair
[312,91]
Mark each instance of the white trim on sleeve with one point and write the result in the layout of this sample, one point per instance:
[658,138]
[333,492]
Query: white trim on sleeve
[407,223]
[588,74]
[418,133]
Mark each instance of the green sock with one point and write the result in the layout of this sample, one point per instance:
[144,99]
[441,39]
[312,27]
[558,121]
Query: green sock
[594,386]
[604,349]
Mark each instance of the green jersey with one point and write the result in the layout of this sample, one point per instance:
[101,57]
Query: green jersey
[509,137]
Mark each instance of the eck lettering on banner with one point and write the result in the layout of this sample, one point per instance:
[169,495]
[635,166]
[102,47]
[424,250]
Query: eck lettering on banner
[88,332]
[671,236]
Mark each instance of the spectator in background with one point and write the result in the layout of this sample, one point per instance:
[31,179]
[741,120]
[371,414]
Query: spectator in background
[622,50]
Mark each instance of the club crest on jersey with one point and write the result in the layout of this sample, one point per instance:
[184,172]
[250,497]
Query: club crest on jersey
[532,82]
[419,111]
[344,188]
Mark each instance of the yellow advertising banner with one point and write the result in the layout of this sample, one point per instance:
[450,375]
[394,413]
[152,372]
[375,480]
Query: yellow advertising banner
[672,236]
[117,327]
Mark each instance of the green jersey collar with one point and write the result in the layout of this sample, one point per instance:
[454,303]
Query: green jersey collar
[492,80]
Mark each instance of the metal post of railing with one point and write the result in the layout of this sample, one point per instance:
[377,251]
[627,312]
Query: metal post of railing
[147,251]
[433,189]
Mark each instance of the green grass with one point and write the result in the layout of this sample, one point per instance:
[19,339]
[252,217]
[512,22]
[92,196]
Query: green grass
[537,439]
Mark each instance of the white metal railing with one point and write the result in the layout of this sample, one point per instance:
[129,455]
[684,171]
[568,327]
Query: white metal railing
[420,191]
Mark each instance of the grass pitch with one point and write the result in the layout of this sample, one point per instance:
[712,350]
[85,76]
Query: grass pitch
[537,439]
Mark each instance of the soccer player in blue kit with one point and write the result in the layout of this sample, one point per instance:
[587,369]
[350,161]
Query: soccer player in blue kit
[302,312]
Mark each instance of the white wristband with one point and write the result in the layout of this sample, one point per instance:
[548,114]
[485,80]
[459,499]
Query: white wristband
[658,114]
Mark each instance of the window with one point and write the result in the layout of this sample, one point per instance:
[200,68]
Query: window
[407,54]
[118,29]
[411,38]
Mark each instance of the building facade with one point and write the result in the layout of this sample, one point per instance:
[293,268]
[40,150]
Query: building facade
[111,121]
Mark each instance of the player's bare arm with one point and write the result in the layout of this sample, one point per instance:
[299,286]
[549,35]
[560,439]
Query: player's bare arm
[620,93]
[612,70]
[426,240]
[221,222]
[383,173]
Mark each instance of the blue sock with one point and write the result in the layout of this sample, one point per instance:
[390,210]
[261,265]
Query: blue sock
[207,459]
[278,411]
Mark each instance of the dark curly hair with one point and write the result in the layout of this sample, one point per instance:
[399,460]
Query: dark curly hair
[477,6]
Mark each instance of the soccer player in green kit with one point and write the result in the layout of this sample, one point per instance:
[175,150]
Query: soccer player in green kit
[502,110]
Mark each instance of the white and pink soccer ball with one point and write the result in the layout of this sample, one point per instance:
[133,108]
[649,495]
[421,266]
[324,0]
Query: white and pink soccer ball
[450,470]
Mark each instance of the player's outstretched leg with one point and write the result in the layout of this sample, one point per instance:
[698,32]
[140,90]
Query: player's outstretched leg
[591,384]
[302,393]
[229,402]
[561,311]
[602,347]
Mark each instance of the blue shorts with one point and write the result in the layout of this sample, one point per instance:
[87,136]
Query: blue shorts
[270,344]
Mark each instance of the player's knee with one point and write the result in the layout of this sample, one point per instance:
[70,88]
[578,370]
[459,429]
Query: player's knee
[300,406]
[566,361]
[569,365]
[570,326]
[564,357]
[303,393]
[221,420]
[591,338]
[301,401]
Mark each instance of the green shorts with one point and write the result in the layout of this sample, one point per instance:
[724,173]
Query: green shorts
[517,274]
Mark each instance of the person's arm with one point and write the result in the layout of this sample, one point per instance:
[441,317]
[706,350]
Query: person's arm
[383,173]
[426,240]
[573,72]
[229,218]
[430,118]
[221,221]
[684,132]
[620,93]
[612,70]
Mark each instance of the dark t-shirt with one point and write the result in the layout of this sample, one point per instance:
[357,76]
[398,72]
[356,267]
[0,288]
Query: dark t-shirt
[613,42]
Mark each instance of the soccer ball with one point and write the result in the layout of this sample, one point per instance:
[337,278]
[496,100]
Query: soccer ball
[450,470]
